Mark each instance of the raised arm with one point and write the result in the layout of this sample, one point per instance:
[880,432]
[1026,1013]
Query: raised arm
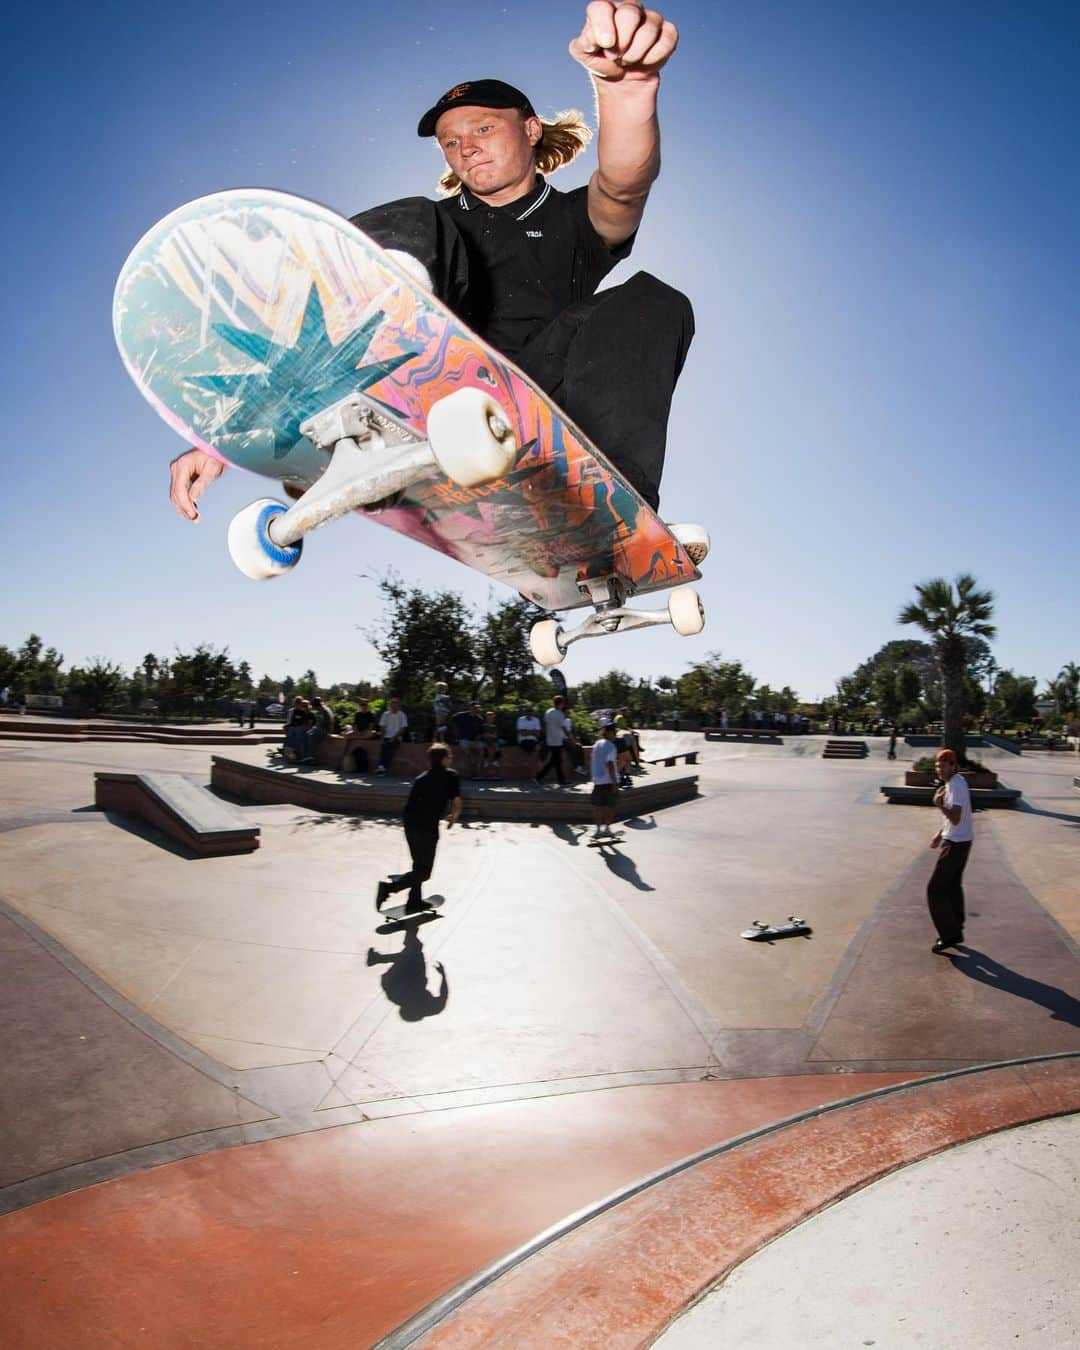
[623,47]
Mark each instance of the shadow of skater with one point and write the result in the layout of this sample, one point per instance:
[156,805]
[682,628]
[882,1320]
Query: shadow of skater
[977,965]
[405,980]
[624,867]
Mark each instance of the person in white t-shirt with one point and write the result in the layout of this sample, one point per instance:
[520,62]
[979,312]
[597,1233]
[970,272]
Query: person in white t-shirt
[528,731]
[556,735]
[392,724]
[605,780]
[944,891]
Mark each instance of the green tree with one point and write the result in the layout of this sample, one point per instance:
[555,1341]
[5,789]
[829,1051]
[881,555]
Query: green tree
[1065,690]
[1013,701]
[613,690]
[502,648]
[716,683]
[950,616]
[97,687]
[424,637]
[200,677]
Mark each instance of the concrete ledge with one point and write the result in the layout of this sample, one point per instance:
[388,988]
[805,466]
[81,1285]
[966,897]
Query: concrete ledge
[383,797]
[744,734]
[924,796]
[180,809]
[26,729]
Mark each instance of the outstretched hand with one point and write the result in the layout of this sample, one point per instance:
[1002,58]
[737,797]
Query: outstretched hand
[622,37]
[190,474]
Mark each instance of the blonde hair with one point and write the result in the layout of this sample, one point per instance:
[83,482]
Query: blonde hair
[563,138]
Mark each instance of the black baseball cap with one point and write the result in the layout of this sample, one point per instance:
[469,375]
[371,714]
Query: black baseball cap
[475,94]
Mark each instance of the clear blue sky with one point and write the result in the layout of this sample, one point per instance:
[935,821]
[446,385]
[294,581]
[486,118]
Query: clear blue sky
[875,209]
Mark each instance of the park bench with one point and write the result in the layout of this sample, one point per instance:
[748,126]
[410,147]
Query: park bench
[179,808]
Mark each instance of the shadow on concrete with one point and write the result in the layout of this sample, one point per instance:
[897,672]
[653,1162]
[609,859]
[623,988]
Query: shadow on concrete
[623,867]
[1030,810]
[977,965]
[405,980]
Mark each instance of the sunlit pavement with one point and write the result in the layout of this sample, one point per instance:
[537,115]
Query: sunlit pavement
[357,1122]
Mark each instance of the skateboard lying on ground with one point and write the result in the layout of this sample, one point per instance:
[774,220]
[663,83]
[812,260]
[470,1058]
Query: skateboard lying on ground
[769,932]
[274,334]
[615,838]
[397,915]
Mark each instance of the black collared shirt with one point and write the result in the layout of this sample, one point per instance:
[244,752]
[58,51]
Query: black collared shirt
[528,261]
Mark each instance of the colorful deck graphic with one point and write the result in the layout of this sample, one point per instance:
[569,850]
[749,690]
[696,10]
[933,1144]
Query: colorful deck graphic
[242,314]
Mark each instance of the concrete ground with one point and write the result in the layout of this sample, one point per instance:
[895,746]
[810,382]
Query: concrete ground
[358,1120]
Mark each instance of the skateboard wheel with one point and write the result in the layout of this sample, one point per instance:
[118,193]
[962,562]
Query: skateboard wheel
[251,547]
[686,612]
[545,641]
[470,437]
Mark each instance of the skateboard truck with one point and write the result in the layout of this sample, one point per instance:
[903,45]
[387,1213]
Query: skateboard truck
[549,640]
[373,457]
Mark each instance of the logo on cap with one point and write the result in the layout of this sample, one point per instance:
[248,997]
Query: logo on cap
[456,92]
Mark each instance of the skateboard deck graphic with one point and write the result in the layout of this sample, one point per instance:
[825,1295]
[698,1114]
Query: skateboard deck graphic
[243,314]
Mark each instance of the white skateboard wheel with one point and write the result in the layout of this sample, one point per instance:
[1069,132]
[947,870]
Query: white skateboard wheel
[686,612]
[470,437]
[544,640]
[251,547]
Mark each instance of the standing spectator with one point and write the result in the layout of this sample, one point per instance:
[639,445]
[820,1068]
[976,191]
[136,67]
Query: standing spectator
[556,734]
[437,792]
[604,781]
[944,892]
[528,731]
[392,724]
[441,706]
[469,730]
[892,742]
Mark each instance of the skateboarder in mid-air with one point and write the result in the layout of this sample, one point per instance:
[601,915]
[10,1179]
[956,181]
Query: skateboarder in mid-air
[519,261]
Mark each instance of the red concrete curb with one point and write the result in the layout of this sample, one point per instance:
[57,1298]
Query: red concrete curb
[619,1279]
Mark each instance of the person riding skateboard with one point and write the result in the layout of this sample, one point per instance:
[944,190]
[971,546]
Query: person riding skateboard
[519,261]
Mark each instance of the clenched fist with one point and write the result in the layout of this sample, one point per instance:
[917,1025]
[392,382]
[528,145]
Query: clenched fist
[621,39]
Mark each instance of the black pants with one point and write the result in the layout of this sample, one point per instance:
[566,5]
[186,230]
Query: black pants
[944,892]
[610,361]
[553,759]
[422,839]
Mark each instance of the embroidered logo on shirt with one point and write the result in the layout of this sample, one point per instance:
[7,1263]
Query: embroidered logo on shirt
[535,234]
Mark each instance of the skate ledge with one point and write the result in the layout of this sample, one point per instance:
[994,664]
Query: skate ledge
[367,795]
[179,808]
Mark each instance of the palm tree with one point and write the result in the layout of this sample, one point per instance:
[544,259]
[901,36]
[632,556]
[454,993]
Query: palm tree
[949,617]
[1066,688]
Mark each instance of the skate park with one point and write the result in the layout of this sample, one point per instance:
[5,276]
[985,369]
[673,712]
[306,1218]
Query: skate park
[576,1109]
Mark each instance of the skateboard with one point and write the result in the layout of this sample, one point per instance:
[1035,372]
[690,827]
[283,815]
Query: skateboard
[396,916]
[769,932]
[272,333]
[615,838]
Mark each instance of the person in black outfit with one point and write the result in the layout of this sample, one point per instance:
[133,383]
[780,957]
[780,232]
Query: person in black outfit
[435,793]
[519,261]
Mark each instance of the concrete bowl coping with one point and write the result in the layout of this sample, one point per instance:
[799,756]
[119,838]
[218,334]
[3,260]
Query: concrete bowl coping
[618,1273]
